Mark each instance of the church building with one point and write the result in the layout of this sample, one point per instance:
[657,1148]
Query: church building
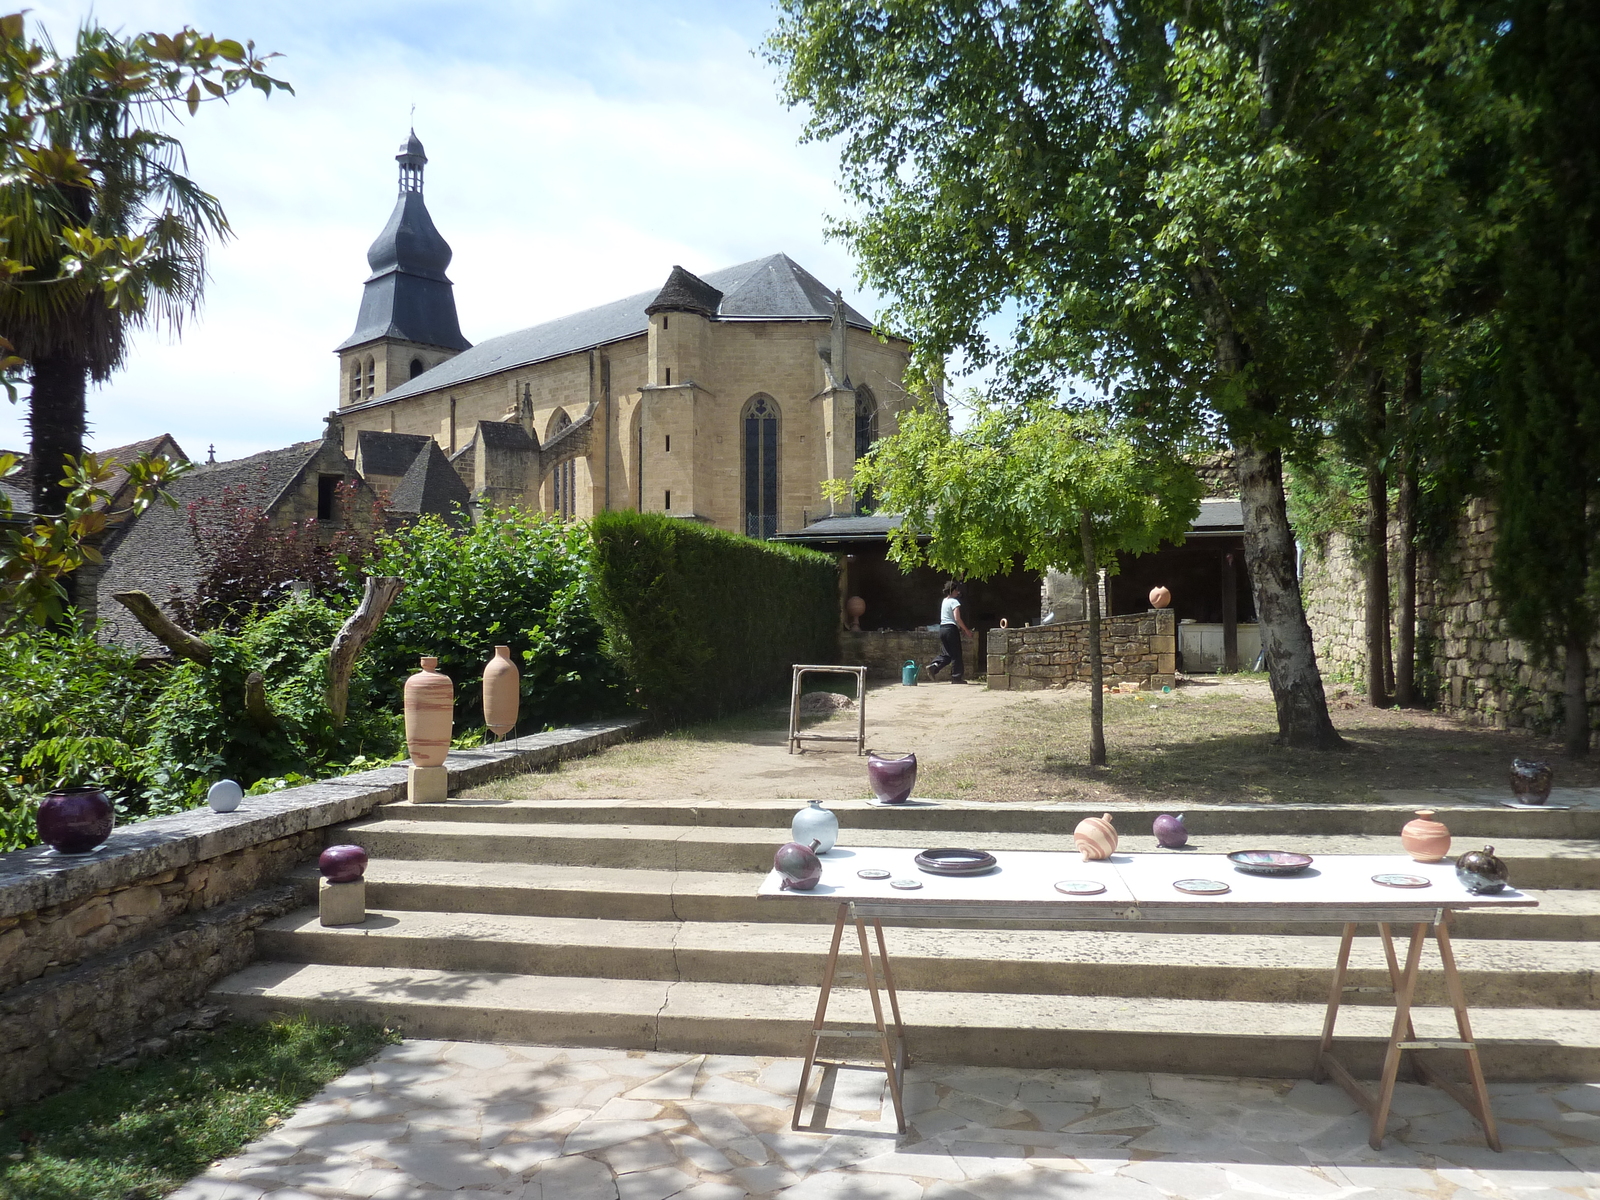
[726,399]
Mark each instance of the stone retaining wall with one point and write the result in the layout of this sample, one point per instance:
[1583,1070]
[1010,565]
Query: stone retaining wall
[1467,662]
[100,951]
[884,651]
[1140,649]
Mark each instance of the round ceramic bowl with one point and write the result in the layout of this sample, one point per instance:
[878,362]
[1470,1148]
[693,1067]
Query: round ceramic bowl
[950,861]
[1269,862]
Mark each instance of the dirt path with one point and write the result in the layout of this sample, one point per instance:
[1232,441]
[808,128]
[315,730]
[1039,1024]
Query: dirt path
[1208,741]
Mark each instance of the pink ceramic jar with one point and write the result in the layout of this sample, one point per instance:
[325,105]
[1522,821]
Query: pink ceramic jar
[1095,837]
[502,692]
[430,715]
[1425,839]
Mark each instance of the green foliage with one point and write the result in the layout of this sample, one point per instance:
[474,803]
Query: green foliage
[142,1130]
[73,713]
[515,578]
[200,732]
[1326,496]
[704,621]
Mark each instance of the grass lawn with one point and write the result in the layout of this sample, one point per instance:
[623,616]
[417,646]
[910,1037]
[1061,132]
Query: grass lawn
[136,1132]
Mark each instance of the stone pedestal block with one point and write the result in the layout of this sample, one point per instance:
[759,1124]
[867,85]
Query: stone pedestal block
[424,784]
[342,903]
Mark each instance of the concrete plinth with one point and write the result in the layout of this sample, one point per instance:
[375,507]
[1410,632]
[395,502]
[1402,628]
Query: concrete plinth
[424,784]
[342,903]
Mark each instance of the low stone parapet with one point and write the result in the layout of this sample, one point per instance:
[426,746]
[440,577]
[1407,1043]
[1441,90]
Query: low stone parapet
[101,950]
[1140,649]
[884,651]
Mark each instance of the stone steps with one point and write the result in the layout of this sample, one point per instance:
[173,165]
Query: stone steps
[1268,968]
[1214,1037]
[559,890]
[1534,862]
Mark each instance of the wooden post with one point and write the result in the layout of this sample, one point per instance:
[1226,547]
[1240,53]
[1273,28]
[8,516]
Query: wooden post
[1230,616]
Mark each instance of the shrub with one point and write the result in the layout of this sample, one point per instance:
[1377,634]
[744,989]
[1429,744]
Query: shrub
[515,578]
[704,621]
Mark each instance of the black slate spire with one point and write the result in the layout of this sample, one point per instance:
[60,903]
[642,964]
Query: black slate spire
[408,297]
[685,292]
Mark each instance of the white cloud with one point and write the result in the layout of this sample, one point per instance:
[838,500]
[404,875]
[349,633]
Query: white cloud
[576,153]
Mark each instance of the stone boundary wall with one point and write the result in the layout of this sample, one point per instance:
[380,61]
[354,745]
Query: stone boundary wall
[884,651]
[1139,649]
[101,951]
[1468,663]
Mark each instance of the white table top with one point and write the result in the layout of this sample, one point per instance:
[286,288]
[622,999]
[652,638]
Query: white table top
[1140,886]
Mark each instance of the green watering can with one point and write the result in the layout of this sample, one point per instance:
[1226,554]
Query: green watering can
[908,673]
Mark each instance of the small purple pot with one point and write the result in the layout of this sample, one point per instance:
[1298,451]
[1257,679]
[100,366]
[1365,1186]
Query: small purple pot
[798,865]
[343,864]
[892,778]
[1170,831]
[75,820]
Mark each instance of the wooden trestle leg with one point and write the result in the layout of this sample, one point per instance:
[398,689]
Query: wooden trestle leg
[1403,1036]
[892,1046]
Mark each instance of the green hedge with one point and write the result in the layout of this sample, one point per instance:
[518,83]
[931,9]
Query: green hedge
[704,622]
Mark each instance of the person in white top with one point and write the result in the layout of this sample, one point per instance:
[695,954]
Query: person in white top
[951,626]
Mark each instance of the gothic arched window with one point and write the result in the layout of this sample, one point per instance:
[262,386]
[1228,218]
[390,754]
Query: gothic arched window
[760,418]
[372,376]
[416,367]
[565,476]
[355,381]
[866,419]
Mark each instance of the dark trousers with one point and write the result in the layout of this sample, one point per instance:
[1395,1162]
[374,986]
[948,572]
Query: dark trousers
[949,652]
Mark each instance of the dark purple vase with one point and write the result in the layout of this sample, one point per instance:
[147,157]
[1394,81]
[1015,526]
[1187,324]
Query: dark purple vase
[798,865]
[343,864]
[892,778]
[75,820]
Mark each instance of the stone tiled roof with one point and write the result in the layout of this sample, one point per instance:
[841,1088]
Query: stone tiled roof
[381,453]
[685,292]
[507,435]
[431,485]
[1219,516]
[775,288]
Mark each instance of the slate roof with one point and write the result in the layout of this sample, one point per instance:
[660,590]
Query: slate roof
[431,485]
[157,554]
[1219,516]
[382,453]
[872,528]
[775,288]
[507,435]
[685,292]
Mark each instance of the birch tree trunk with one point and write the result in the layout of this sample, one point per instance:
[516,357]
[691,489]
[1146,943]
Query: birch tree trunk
[1097,695]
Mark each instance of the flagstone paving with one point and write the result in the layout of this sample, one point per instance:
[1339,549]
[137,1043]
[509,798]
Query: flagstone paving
[428,1118]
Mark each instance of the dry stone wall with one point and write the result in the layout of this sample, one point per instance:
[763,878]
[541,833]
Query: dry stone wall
[1467,661]
[1139,649]
[884,651]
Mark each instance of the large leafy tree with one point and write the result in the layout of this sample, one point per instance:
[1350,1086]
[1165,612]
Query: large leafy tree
[101,229]
[1061,489]
[1182,201]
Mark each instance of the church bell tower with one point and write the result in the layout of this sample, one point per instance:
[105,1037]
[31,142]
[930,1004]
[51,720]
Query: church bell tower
[407,322]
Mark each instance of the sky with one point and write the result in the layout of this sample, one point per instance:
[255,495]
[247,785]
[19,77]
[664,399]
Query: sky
[577,151]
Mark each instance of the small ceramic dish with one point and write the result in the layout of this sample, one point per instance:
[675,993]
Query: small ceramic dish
[951,861]
[1202,887]
[1402,881]
[906,885]
[872,873]
[1080,887]
[1269,862]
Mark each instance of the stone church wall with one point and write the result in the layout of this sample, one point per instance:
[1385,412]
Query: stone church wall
[1467,661]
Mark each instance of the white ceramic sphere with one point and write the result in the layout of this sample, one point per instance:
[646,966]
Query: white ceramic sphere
[815,824]
[224,796]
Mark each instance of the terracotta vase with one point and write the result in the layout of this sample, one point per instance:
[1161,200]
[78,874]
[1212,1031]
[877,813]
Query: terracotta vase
[853,608]
[430,715]
[892,778]
[1095,837]
[75,820]
[502,692]
[1160,597]
[1425,839]
[1530,781]
[1482,872]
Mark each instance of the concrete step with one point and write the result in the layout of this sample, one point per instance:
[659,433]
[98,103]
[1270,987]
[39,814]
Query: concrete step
[1266,968]
[1533,862]
[1204,820]
[631,894]
[1212,1037]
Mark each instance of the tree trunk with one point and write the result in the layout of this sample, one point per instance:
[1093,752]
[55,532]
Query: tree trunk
[55,426]
[1379,670]
[1097,695]
[1303,720]
[378,595]
[1577,695]
[1405,661]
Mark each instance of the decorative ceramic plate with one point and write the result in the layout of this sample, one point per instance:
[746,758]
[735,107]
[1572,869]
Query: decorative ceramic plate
[1269,862]
[1202,887]
[1402,881]
[950,861]
[873,873]
[1080,887]
[906,885]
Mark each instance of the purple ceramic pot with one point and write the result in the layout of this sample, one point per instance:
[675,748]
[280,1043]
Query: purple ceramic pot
[892,778]
[75,820]
[799,866]
[1170,831]
[343,864]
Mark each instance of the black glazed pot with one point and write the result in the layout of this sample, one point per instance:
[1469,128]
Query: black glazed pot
[1481,872]
[75,820]
[1530,781]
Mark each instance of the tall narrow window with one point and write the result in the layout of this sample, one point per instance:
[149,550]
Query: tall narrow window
[355,381]
[372,375]
[328,496]
[416,367]
[669,376]
[566,476]
[760,467]
[866,434]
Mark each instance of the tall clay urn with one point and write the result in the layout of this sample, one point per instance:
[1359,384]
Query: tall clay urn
[502,692]
[892,778]
[75,820]
[1095,837]
[430,715]
[1425,839]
